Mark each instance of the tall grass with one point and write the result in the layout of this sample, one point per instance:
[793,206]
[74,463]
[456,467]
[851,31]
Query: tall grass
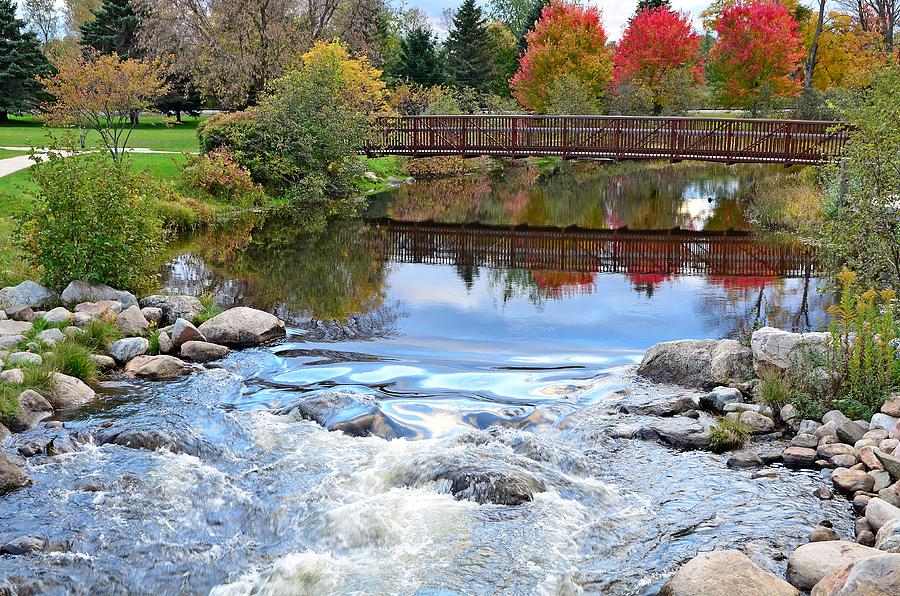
[728,435]
[99,335]
[74,360]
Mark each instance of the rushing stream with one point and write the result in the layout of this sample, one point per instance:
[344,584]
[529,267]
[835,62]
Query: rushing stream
[476,366]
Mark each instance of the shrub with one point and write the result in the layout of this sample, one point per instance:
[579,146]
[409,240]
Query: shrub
[74,360]
[99,335]
[728,435]
[153,338]
[219,174]
[226,130]
[177,212]
[92,220]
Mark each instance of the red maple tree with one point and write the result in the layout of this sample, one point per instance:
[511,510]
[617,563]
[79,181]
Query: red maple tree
[657,43]
[758,54]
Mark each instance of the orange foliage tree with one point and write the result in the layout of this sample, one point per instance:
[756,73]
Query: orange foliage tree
[568,41]
[658,43]
[758,54]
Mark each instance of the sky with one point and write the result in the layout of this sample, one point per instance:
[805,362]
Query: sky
[615,12]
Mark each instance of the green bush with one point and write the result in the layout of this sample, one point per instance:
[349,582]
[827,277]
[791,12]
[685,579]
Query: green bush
[153,338]
[99,335]
[219,174]
[177,212]
[774,393]
[226,130]
[210,309]
[74,360]
[92,220]
[728,435]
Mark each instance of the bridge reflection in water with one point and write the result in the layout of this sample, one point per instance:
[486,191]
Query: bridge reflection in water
[671,252]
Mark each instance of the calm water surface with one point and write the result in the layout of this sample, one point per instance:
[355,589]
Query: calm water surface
[495,323]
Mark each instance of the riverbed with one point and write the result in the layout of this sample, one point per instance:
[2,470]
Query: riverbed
[496,321]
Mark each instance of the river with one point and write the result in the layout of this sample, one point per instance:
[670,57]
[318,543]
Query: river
[495,320]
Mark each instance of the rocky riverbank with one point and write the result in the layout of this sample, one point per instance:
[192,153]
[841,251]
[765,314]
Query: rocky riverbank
[858,459]
[35,324]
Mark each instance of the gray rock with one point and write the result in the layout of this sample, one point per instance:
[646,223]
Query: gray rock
[22,546]
[174,307]
[799,457]
[26,358]
[888,537]
[101,308]
[33,408]
[789,412]
[669,407]
[813,561]
[79,291]
[58,315]
[805,440]
[741,407]
[21,313]
[835,416]
[157,368]
[53,334]
[13,376]
[823,493]
[103,362]
[718,398]
[183,332]
[744,460]
[682,433]
[14,328]
[11,476]
[152,314]
[718,573]
[884,421]
[335,407]
[201,351]
[27,293]
[850,481]
[865,443]
[758,423]
[890,463]
[10,341]
[850,432]
[126,349]
[165,343]
[843,461]
[809,426]
[242,327]
[872,576]
[878,434]
[131,322]
[880,512]
[775,351]
[68,392]
[882,480]
[696,363]
[891,494]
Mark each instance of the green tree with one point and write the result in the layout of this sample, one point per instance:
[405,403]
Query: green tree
[419,59]
[505,51]
[513,14]
[113,30]
[534,15]
[21,61]
[468,48]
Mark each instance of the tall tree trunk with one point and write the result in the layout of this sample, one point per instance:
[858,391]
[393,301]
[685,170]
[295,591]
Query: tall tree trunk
[810,69]
[4,116]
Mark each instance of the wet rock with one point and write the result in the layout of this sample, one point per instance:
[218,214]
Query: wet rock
[758,423]
[13,376]
[26,293]
[850,432]
[859,503]
[129,348]
[184,331]
[11,476]
[805,440]
[4,432]
[349,412]
[174,307]
[681,433]
[718,398]
[152,314]
[850,481]
[879,512]
[871,576]
[68,392]
[884,422]
[890,463]
[30,449]
[813,561]
[799,457]
[823,534]
[717,573]
[696,363]
[22,546]
[744,460]
[32,409]
[771,457]
[672,407]
[888,537]
[131,321]
[103,362]
[157,368]
[151,439]
[242,327]
[79,291]
[775,351]
[823,493]
[60,445]
[201,351]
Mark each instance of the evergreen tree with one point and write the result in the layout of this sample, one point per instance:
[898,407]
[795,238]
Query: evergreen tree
[419,60]
[20,61]
[469,59]
[533,17]
[113,30]
[183,97]
[650,4]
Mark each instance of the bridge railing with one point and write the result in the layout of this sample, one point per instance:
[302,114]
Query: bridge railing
[728,140]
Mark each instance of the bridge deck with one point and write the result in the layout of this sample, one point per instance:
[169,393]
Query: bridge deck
[726,140]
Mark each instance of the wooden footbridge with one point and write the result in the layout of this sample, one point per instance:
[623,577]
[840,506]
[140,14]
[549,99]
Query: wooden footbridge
[727,140]
[579,250]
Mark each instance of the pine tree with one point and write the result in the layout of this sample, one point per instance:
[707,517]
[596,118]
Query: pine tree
[469,58]
[20,61]
[113,30]
[650,4]
[533,17]
[419,59]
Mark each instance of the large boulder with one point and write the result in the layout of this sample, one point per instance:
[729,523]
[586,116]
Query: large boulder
[32,409]
[68,392]
[724,573]
[870,576]
[888,537]
[11,476]
[813,561]
[758,423]
[184,331]
[101,308]
[14,328]
[890,463]
[131,321]
[879,512]
[850,481]
[242,327]
[129,348]
[27,293]
[157,368]
[80,291]
[697,362]
[174,307]
[799,457]
[883,421]
[665,408]
[681,433]
[775,351]
[203,351]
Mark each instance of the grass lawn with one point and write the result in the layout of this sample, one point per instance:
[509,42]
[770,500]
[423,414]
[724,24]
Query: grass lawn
[153,133]
[5,153]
